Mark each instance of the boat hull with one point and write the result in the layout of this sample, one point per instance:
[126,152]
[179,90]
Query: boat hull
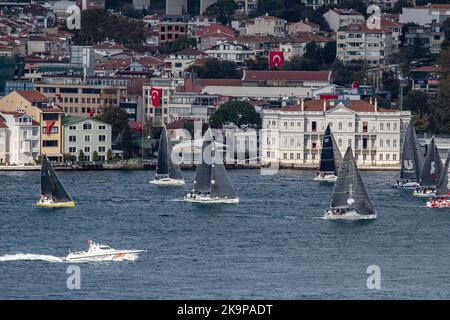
[327,178]
[438,204]
[423,195]
[351,215]
[167,182]
[208,200]
[70,204]
[126,255]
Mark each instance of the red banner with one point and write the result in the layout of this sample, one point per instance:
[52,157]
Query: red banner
[155,94]
[276,59]
[328,96]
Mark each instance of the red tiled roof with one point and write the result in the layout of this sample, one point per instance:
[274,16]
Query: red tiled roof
[427,69]
[354,105]
[302,37]
[388,23]
[215,29]
[178,124]
[220,82]
[32,95]
[189,52]
[262,75]
[150,61]
[361,28]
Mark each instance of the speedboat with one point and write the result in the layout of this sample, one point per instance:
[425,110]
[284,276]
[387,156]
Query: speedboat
[331,214]
[99,252]
[167,182]
[206,198]
[326,177]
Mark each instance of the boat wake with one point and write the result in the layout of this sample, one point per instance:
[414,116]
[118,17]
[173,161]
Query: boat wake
[30,257]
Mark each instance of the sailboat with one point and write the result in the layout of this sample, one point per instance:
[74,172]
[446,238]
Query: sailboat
[212,183]
[441,199]
[330,158]
[412,161]
[53,194]
[430,173]
[168,173]
[350,200]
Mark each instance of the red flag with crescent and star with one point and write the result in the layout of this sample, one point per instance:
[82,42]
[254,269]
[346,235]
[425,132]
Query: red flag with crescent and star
[139,127]
[276,59]
[155,94]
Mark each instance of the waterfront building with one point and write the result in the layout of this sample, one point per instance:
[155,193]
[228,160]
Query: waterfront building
[293,135]
[88,135]
[22,138]
[42,111]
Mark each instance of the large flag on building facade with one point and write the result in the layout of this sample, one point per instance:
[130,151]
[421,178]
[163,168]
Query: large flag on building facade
[155,94]
[276,59]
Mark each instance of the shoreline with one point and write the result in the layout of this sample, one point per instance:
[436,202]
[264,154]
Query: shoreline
[152,166]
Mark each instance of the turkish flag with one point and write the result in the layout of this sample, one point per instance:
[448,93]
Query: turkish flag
[276,59]
[91,112]
[139,127]
[49,126]
[355,84]
[156,94]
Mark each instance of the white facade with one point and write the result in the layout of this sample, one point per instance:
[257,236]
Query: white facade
[426,14]
[230,51]
[293,137]
[22,138]
[266,25]
[339,18]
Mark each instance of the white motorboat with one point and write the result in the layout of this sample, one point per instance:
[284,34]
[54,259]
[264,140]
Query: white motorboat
[326,178]
[167,182]
[99,252]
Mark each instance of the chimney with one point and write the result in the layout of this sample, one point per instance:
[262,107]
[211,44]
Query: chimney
[370,100]
[302,103]
[376,105]
[324,105]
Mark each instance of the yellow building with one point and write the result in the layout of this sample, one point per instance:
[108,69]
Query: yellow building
[48,116]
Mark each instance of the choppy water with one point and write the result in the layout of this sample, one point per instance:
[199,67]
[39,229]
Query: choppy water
[269,246]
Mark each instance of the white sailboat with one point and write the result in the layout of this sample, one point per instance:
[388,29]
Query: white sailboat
[212,183]
[350,200]
[168,172]
[330,158]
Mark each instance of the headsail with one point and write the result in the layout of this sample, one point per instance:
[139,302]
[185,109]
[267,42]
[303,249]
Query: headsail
[50,184]
[221,186]
[163,164]
[442,185]
[349,191]
[327,163]
[412,157]
[432,166]
[202,182]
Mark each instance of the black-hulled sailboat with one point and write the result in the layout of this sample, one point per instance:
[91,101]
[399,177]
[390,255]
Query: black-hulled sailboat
[430,173]
[330,158]
[441,199]
[212,183]
[411,161]
[350,200]
[53,194]
[168,172]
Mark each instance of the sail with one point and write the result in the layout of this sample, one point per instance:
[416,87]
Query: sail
[337,155]
[412,157]
[202,182]
[327,163]
[163,165]
[442,185]
[432,166]
[349,190]
[174,168]
[50,184]
[221,186]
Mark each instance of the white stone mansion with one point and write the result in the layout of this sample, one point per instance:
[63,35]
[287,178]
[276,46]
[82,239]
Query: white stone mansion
[293,135]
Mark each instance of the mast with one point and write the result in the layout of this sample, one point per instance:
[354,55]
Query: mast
[349,191]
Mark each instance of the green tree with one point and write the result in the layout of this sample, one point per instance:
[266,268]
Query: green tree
[95,156]
[391,84]
[223,10]
[117,117]
[109,155]
[344,75]
[182,42]
[257,63]
[237,112]
[81,156]
[416,101]
[297,63]
[216,69]
[440,106]
[399,5]
[328,53]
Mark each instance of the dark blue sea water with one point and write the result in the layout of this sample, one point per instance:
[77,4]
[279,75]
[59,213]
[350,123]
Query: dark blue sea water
[271,245]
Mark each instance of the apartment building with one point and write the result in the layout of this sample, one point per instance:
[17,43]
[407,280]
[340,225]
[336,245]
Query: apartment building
[358,43]
[338,18]
[226,50]
[172,27]
[266,25]
[424,15]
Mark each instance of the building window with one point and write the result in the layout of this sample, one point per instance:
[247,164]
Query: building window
[87,157]
[87,149]
[381,156]
[73,149]
[340,125]
[314,126]
[72,127]
[87,138]
[101,149]
[365,126]
[102,127]
[102,138]
[72,138]
[50,143]
[285,156]
[87,126]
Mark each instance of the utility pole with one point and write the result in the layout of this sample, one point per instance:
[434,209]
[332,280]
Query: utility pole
[401,95]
